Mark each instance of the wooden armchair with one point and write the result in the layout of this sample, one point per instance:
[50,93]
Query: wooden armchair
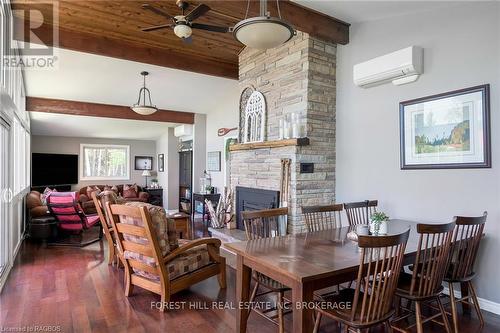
[152,257]
[107,226]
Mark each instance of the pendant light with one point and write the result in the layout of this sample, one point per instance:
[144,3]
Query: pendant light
[263,32]
[141,107]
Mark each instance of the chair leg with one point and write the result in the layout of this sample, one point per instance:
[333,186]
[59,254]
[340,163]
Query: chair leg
[222,275]
[397,303]
[388,327]
[453,301]
[111,253]
[444,315]
[252,296]
[418,315]
[129,287]
[280,304]
[165,298]
[317,322]
[476,303]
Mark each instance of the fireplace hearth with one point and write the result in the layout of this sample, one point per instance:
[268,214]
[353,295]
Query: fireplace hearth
[248,198]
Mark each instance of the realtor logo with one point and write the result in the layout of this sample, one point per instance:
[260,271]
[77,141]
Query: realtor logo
[34,35]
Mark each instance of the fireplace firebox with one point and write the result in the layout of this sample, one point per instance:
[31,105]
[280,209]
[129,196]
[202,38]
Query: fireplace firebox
[254,199]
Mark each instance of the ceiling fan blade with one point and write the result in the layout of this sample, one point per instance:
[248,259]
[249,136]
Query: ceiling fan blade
[198,11]
[157,11]
[157,27]
[188,40]
[208,27]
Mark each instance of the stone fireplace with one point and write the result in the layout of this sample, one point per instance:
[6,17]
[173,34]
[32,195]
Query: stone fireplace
[298,77]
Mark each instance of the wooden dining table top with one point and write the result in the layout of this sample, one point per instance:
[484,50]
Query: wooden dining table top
[314,255]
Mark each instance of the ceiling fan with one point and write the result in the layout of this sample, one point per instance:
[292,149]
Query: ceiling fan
[183,24]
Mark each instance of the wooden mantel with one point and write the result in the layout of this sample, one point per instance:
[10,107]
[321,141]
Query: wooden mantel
[270,144]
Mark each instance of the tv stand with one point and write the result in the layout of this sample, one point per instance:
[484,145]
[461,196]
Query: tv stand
[59,188]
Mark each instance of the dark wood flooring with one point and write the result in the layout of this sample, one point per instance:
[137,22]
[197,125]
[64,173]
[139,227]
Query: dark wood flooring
[74,290]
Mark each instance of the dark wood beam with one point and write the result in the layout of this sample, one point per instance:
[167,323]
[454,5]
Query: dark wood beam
[116,48]
[75,108]
[307,20]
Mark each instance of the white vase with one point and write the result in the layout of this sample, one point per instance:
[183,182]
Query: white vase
[382,229]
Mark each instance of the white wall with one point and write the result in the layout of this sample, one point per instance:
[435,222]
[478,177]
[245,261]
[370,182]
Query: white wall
[70,145]
[226,115]
[199,149]
[461,45]
[169,179]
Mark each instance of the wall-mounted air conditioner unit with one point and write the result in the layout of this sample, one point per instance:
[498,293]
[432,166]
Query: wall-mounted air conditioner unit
[400,67]
[183,130]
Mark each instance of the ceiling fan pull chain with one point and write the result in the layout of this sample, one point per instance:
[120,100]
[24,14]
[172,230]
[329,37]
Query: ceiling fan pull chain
[248,8]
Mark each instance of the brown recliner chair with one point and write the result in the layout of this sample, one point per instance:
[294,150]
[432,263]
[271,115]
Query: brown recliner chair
[88,205]
[41,224]
[35,206]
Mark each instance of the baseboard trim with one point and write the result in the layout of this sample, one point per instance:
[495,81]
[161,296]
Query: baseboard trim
[485,304]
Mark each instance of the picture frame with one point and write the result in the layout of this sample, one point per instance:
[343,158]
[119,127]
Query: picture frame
[161,162]
[143,163]
[213,160]
[446,131]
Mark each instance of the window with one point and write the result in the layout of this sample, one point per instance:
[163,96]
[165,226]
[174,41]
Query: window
[98,162]
[20,157]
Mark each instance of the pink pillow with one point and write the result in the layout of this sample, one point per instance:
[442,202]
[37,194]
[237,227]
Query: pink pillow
[46,193]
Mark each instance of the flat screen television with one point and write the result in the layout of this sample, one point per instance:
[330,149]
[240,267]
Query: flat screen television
[54,169]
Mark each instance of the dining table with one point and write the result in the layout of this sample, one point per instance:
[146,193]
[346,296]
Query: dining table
[305,262]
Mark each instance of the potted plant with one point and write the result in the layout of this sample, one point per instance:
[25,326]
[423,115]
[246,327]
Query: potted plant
[378,225]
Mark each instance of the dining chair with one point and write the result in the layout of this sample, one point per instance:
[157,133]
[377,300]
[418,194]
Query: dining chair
[360,212]
[261,224]
[107,226]
[466,239]
[371,300]
[322,217]
[71,219]
[153,257]
[424,283]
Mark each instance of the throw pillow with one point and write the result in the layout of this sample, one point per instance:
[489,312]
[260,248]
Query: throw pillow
[115,189]
[92,189]
[46,193]
[129,191]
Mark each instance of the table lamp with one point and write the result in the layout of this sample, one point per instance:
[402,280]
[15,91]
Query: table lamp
[146,174]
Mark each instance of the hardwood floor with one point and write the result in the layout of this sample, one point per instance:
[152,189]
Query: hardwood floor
[74,289]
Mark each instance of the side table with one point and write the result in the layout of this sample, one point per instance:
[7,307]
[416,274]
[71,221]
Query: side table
[200,197]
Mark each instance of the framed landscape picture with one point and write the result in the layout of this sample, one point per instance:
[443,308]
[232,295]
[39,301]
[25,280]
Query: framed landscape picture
[446,131]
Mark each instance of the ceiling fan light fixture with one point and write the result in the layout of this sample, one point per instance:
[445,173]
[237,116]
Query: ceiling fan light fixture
[183,30]
[263,32]
[142,107]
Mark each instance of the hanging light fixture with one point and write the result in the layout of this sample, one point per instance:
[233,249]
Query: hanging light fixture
[263,32]
[142,107]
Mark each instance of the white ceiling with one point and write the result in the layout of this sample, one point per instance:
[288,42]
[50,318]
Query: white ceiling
[359,11]
[92,78]
[94,127]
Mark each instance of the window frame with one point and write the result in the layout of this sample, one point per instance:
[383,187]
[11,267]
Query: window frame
[110,146]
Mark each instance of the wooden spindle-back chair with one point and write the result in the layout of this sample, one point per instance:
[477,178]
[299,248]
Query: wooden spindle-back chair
[371,300]
[323,217]
[466,241]
[424,284]
[360,212]
[263,224]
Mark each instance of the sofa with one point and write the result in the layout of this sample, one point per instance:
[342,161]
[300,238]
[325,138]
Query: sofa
[88,205]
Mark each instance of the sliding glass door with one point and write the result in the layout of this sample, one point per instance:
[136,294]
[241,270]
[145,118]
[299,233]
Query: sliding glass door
[5,196]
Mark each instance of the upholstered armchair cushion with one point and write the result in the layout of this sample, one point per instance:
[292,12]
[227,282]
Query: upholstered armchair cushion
[109,196]
[164,228]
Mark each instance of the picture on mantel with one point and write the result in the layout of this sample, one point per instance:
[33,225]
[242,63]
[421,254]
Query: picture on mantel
[255,118]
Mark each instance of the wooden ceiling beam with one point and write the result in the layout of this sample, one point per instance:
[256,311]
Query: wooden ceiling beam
[116,48]
[75,108]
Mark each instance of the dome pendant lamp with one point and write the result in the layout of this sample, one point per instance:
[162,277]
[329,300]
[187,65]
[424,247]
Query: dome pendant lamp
[263,32]
[141,107]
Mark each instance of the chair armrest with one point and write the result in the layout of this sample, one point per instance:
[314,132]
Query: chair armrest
[143,195]
[211,243]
